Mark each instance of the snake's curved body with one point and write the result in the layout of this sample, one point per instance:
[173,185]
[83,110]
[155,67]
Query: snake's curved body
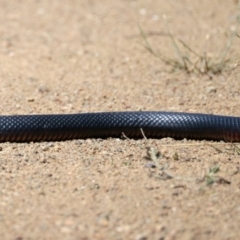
[58,127]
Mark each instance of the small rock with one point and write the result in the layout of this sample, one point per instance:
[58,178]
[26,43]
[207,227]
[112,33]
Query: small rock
[211,89]
[150,165]
[30,99]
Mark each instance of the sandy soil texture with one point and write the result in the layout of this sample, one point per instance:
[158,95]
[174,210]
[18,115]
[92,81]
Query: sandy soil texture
[75,56]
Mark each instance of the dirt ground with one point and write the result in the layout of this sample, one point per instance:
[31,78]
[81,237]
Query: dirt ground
[87,56]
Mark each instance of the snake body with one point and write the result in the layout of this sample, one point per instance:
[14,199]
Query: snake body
[58,127]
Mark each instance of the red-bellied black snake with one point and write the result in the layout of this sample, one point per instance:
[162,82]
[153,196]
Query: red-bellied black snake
[58,127]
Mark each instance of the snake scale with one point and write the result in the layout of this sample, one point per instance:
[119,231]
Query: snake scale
[59,127]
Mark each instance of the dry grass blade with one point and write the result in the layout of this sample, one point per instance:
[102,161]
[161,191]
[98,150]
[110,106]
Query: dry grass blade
[202,63]
[171,62]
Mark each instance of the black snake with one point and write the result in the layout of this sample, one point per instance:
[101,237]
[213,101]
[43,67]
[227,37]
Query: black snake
[58,127]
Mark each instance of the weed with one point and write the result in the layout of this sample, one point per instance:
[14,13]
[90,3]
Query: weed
[155,156]
[191,61]
[211,176]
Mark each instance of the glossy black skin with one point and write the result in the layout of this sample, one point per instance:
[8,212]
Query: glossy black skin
[59,127]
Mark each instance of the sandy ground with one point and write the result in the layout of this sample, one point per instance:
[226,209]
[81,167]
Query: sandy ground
[86,56]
